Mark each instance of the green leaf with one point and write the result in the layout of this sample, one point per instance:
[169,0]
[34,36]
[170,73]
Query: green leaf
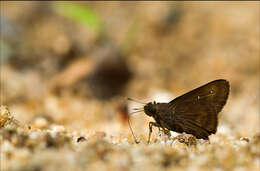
[80,14]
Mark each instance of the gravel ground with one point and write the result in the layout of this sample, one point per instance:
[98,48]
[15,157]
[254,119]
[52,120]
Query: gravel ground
[68,68]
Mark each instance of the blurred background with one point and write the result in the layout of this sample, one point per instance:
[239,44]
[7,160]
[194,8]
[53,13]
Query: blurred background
[75,63]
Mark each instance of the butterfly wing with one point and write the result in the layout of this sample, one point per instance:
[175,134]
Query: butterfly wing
[196,112]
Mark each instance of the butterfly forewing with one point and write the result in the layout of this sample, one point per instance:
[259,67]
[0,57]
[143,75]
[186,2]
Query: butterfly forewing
[196,112]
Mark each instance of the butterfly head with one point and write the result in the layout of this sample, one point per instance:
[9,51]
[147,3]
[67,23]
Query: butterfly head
[150,109]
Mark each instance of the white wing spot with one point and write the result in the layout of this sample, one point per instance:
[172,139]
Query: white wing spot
[198,97]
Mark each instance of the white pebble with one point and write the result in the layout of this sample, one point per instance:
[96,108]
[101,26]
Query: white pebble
[41,122]
[58,128]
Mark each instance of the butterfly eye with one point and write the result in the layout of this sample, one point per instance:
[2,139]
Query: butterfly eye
[152,109]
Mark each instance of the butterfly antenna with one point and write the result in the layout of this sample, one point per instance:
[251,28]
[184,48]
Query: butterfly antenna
[137,109]
[135,112]
[137,101]
[136,140]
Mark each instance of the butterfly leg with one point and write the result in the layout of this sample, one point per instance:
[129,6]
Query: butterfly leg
[166,132]
[151,124]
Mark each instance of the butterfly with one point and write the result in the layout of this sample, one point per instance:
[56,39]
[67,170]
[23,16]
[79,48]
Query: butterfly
[195,112]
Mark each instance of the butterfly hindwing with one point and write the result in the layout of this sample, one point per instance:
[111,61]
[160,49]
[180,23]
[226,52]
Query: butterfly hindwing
[196,118]
[196,112]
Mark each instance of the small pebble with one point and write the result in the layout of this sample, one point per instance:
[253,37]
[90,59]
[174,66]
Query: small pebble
[244,139]
[81,139]
[58,129]
[41,123]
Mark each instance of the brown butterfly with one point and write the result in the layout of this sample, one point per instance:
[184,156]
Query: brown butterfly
[195,112]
